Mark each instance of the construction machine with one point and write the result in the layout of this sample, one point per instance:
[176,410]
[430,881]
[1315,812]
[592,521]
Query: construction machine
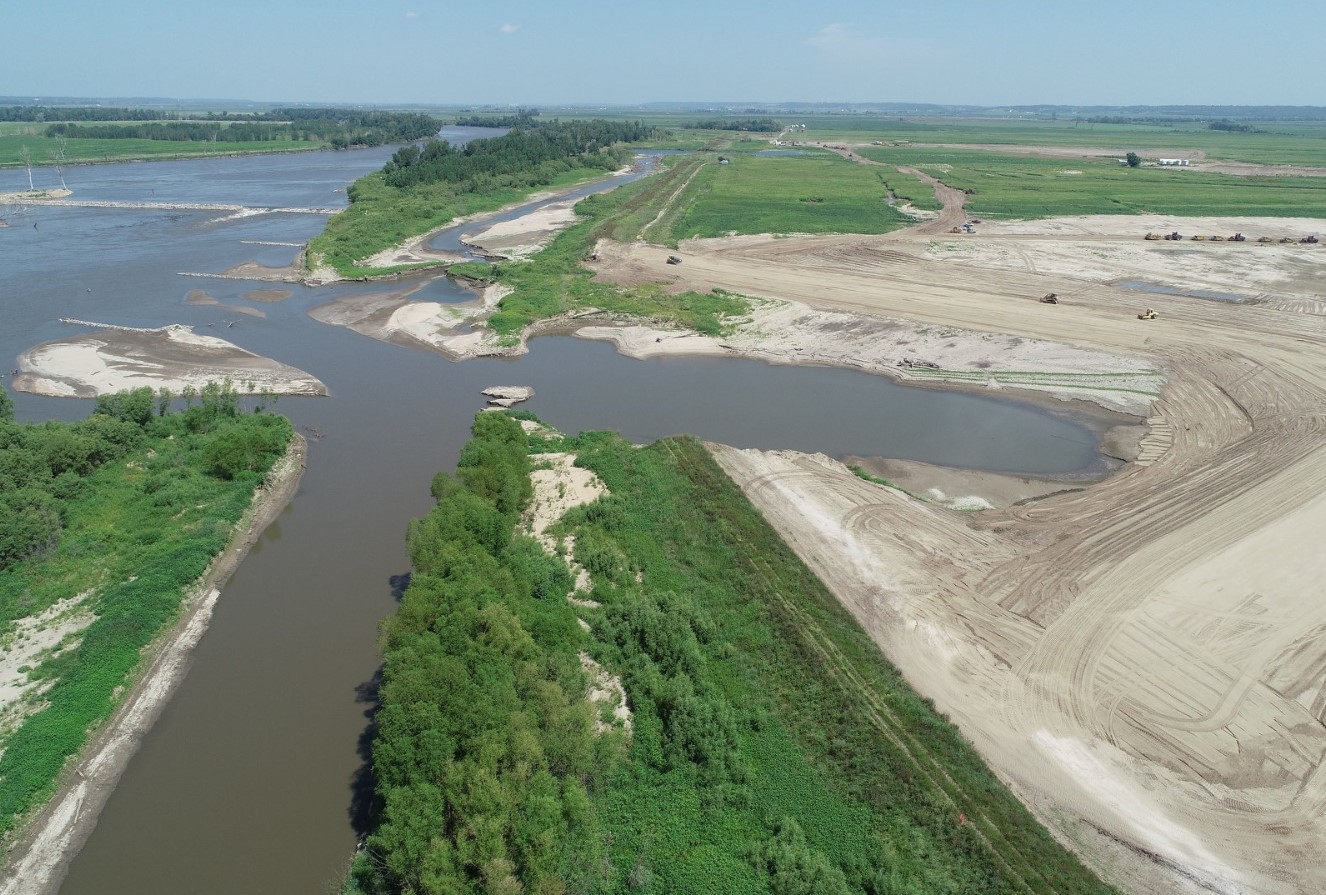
[1265,239]
[1238,237]
[673,259]
[1309,241]
[1197,237]
[1175,236]
[1049,298]
[1149,314]
[1152,236]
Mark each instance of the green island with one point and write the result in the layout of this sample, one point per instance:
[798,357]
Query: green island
[39,135]
[769,747]
[106,526]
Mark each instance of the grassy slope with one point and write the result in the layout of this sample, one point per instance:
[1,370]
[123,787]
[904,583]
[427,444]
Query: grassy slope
[1024,187]
[85,149]
[828,732]
[141,530]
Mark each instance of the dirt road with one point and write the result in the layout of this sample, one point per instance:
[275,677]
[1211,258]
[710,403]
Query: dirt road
[1142,659]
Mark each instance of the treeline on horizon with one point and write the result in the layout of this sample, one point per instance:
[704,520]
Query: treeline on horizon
[335,126]
[519,118]
[527,156]
[751,125]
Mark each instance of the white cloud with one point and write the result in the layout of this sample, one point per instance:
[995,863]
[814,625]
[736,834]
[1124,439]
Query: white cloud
[846,40]
[509,28]
[412,15]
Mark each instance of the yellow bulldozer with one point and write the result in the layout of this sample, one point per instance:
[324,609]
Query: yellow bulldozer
[1148,314]
[1151,237]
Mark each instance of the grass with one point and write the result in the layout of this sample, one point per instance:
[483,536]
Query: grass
[773,748]
[380,217]
[787,194]
[1015,186]
[1285,143]
[84,150]
[139,532]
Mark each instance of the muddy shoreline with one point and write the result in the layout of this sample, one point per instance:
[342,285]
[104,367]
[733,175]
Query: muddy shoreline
[39,857]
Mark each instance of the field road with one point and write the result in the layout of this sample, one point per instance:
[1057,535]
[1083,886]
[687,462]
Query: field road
[1144,660]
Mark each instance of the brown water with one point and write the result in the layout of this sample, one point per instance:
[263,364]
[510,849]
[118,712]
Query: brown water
[247,783]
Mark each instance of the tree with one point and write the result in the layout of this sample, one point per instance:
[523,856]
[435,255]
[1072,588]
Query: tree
[1134,160]
[25,156]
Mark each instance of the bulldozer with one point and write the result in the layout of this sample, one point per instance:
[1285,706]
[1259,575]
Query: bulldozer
[1265,239]
[1151,237]
[1175,236]
[956,230]
[673,259]
[1309,241]
[1197,237]
[1049,298]
[1238,237]
[1217,239]
[1148,314]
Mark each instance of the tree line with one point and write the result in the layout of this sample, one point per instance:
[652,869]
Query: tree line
[754,125]
[339,128]
[527,156]
[519,118]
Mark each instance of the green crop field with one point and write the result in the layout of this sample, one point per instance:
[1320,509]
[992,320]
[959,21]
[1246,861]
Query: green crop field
[1283,143]
[816,193]
[1017,186]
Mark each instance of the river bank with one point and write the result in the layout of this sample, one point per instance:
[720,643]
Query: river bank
[42,850]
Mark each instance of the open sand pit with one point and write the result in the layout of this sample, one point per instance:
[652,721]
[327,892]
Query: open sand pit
[1140,657]
[172,357]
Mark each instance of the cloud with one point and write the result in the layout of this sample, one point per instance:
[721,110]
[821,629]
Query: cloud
[412,15]
[509,28]
[841,40]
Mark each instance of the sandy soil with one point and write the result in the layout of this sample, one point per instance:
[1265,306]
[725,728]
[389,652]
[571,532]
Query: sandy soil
[200,297]
[32,195]
[172,357]
[1140,658]
[268,296]
[39,859]
[960,489]
[525,235]
[30,642]
[560,485]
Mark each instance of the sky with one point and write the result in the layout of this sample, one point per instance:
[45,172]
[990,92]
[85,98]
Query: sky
[993,52]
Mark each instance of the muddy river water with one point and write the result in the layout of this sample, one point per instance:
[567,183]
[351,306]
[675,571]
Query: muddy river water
[247,782]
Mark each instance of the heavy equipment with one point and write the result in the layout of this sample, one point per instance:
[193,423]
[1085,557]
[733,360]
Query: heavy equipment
[1152,236]
[1238,237]
[1049,298]
[1175,236]
[1149,314]
[673,259]
[1309,241]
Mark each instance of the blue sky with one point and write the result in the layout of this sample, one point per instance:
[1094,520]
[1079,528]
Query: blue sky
[586,51]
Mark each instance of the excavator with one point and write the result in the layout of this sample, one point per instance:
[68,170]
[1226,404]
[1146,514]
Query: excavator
[1049,298]
[1149,314]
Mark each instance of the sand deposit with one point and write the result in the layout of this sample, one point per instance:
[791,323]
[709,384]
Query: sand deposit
[172,357]
[1140,657]
[523,236]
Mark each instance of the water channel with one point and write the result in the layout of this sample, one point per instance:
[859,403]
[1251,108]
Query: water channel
[246,782]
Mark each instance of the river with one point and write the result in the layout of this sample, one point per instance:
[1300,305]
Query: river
[247,782]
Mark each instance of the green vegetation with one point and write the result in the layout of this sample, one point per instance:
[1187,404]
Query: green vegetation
[421,189]
[128,506]
[1272,143]
[62,135]
[788,194]
[1017,186]
[772,747]
[756,125]
[338,128]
